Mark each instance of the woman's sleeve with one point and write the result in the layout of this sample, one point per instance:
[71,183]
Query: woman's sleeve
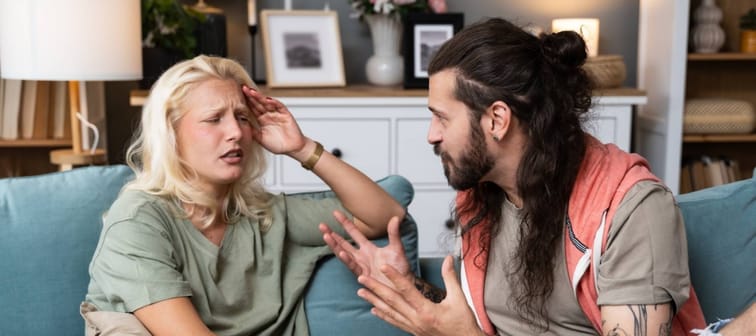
[135,264]
[303,214]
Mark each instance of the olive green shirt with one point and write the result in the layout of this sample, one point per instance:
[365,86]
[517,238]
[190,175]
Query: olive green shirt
[645,262]
[253,284]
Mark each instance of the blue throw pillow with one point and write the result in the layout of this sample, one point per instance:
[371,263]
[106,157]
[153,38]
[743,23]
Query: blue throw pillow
[331,303]
[50,225]
[720,223]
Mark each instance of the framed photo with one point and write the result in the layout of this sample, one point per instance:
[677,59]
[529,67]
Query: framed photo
[423,36]
[302,48]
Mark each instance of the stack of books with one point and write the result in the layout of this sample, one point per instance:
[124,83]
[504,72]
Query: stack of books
[705,172]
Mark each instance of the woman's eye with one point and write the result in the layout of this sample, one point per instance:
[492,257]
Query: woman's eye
[212,120]
[242,117]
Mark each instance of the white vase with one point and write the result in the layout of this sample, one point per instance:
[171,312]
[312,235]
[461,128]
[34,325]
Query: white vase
[386,65]
[708,36]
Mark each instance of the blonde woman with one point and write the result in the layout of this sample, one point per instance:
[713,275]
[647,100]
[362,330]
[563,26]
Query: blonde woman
[195,245]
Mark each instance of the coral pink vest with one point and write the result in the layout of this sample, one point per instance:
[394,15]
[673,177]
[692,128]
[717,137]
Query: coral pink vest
[606,174]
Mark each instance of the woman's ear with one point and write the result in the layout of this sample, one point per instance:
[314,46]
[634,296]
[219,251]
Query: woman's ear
[499,120]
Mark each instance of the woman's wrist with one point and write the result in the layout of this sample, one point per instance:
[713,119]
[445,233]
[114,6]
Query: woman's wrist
[313,159]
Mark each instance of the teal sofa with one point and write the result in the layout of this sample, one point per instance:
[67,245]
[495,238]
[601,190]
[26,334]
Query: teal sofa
[50,225]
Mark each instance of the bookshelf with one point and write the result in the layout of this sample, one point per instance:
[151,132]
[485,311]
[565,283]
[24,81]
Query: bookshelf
[728,74]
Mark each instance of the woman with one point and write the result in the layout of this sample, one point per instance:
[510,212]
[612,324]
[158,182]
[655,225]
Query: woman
[195,245]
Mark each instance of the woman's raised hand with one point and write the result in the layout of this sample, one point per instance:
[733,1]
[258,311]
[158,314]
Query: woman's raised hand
[278,132]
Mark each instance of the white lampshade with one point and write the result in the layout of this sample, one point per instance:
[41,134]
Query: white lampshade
[64,40]
[588,28]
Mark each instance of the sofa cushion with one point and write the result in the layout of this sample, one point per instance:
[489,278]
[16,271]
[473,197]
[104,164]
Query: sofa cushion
[50,225]
[332,305]
[721,229]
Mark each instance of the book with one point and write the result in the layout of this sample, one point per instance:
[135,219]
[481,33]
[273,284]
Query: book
[28,107]
[61,120]
[11,108]
[42,111]
[2,94]
[685,179]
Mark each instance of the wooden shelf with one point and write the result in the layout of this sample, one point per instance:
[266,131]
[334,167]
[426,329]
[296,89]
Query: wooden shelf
[139,97]
[731,56]
[36,143]
[721,138]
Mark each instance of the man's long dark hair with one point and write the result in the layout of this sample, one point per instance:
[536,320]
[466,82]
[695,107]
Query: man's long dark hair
[542,81]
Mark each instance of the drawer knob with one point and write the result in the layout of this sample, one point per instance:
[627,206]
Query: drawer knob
[336,152]
[449,223]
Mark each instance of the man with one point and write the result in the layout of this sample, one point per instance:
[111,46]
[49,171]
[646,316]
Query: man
[560,234]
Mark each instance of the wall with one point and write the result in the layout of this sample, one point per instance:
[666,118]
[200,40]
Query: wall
[618,31]
[618,35]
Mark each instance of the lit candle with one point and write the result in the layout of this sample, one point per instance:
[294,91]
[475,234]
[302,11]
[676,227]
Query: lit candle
[587,28]
[251,13]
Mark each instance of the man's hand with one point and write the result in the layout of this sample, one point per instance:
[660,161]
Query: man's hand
[403,306]
[367,258]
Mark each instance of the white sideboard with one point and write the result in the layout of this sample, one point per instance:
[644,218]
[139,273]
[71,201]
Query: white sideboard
[383,131]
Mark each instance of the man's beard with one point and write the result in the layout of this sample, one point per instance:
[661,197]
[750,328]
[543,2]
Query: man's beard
[474,163]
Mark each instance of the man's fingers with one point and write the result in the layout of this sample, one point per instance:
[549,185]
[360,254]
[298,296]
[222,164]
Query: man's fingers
[453,288]
[395,239]
[351,229]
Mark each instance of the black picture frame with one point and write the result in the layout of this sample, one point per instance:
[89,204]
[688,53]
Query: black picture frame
[420,29]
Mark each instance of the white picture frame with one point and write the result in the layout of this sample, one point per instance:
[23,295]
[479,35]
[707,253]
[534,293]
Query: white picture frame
[302,48]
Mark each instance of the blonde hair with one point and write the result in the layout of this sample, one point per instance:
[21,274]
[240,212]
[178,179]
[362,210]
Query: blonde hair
[153,154]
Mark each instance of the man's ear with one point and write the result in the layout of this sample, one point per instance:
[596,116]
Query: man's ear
[499,120]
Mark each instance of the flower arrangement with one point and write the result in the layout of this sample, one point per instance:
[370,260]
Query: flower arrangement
[396,7]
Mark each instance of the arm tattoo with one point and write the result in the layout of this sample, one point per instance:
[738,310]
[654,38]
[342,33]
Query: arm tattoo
[430,292]
[665,329]
[640,323]
[640,319]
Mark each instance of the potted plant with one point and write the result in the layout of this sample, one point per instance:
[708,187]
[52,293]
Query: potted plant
[748,32]
[168,36]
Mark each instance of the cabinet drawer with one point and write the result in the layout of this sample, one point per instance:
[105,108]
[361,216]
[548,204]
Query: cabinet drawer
[363,143]
[415,158]
[431,209]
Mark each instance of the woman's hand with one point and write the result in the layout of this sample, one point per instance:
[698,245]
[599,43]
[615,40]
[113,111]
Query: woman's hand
[278,131]
[367,258]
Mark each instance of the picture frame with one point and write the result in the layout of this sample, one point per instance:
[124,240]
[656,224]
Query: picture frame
[423,34]
[302,48]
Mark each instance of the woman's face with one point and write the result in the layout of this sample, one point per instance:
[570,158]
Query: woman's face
[215,134]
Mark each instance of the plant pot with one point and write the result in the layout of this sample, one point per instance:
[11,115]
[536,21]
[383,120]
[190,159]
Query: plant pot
[748,41]
[154,62]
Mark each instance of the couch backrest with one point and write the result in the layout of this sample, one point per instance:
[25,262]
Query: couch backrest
[721,229]
[50,225]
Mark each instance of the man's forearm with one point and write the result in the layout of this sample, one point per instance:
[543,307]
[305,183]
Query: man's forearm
[430,292]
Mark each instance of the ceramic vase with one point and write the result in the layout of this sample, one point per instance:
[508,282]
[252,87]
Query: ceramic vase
[386,66]
[708,36]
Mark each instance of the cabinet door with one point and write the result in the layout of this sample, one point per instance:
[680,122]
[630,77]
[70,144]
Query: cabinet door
[431,209]
[363,143]
[415,158]
[611,124]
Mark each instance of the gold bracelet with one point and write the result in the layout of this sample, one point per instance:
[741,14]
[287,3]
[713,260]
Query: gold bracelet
[313,159]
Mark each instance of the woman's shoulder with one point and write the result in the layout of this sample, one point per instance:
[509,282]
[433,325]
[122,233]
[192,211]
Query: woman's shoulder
[137,205]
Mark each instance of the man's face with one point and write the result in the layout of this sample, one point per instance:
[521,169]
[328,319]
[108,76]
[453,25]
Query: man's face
[459,142]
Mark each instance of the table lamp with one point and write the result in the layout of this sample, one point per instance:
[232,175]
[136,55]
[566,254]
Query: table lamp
[71,40]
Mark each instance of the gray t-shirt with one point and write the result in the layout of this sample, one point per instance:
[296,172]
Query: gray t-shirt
[645,262]
[253,284]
